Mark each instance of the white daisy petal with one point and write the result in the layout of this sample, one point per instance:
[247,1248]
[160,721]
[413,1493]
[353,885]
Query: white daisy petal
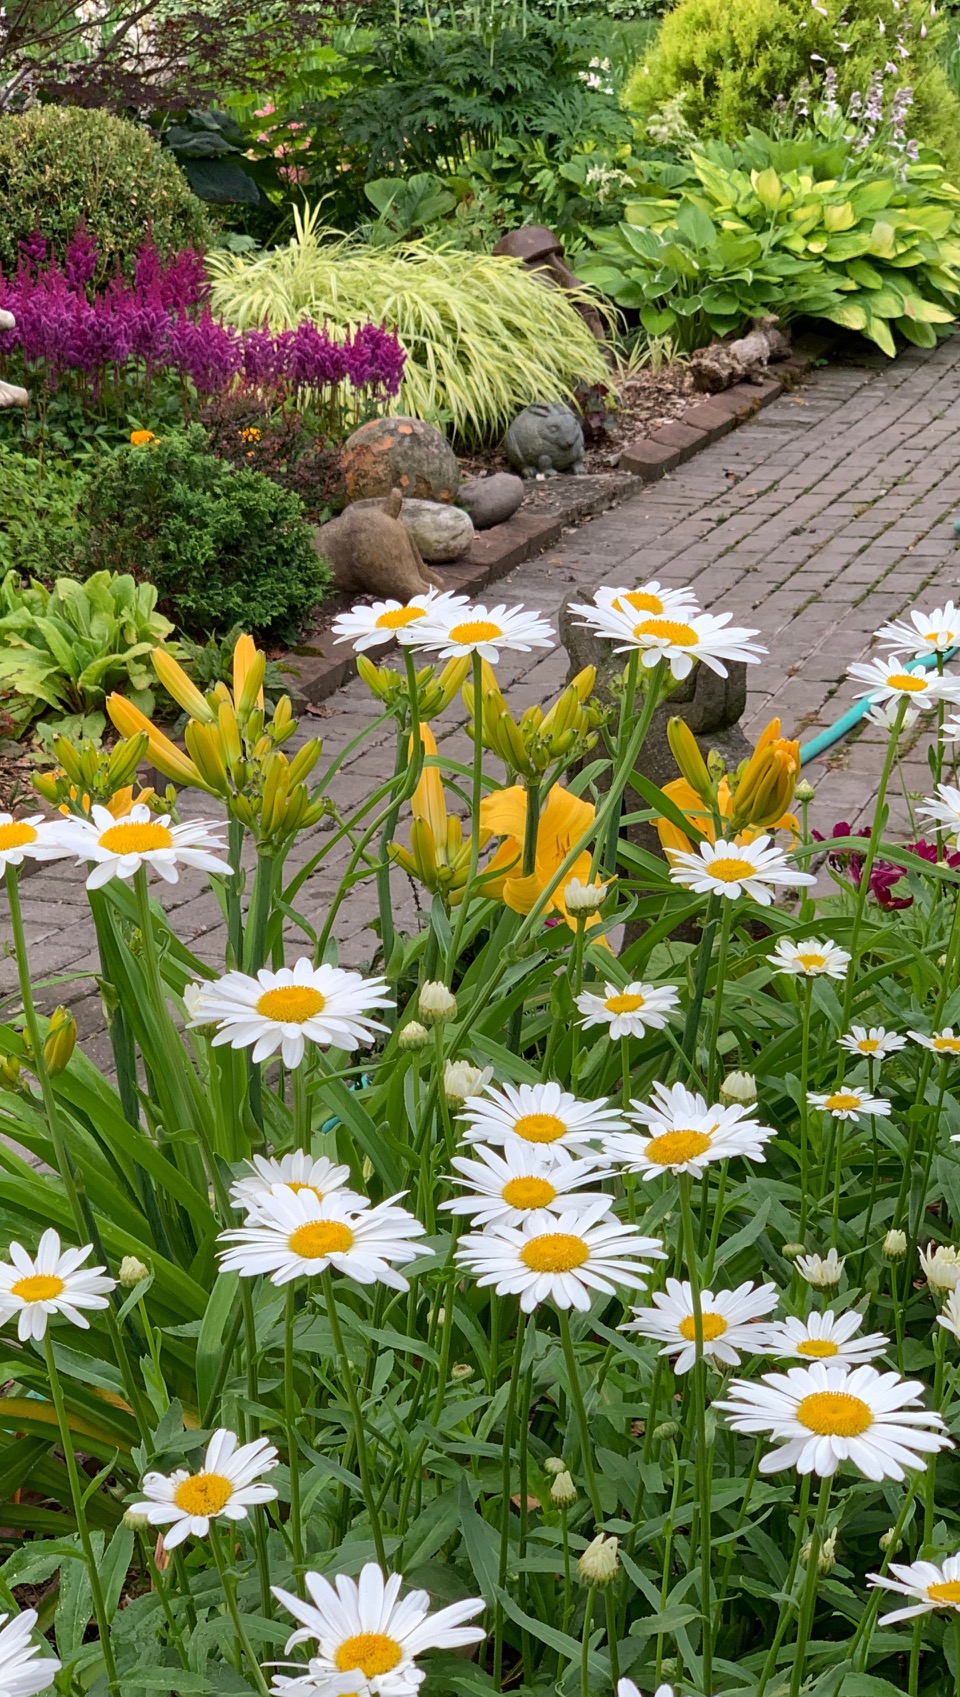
[540,1114]
[388,621]
[282,1010]
[680,634]
[229,1483]
[629,1011]
[560,1258]
[894,680]
[23,1670]
[810,958]
[729,1323]
[734,869]
[119,847]
[826,1337]
[458,631]
[850,1102]
[506,1185]
[932,1586]
[293,1234]
[33,838]
[55,1282]
[682,1133]
[873,1043]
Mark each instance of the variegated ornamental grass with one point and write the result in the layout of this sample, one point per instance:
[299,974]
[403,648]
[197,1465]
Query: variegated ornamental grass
[526,1309]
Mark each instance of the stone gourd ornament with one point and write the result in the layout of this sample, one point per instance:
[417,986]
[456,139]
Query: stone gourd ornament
[11,394]
[442,533]
[545,438]
[399,453]
[371,552]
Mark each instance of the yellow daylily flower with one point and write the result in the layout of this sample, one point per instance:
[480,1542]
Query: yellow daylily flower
[562,822]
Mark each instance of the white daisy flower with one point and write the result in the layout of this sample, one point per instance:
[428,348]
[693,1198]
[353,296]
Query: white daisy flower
[537,1113]
[729,1320]
[892,680]
[361,1626]
[294,1235]
[951,729]
[735,869]
[940,1266]
[560,1259]
[683,1134]
[318,1681]
[296,1171]
[626,1688]
[631,1011]
[946,809]
[850,1102]
[826,1337]
[461,1080]
[388,621]
[281,1010]
[119,847]
[228,1484]
[926,633]
[885,714]
[810,958]
[930,1586]
[950,1315]
[682,639]
[822,1415]
[649,597]
[945,1042]
[821,1271]
[23,1671]
[54,1281]
[35,838]
[520,1179]
[481,630]
[875,1043]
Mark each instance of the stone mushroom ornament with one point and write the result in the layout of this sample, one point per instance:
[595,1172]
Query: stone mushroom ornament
[11,395]
[541,253]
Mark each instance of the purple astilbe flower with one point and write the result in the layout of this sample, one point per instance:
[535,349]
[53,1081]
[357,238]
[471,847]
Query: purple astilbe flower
[314,360]
[375,359]
[80,259]
[33,251]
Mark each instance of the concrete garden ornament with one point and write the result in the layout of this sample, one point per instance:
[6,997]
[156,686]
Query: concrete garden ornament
[545,439]
[11,395]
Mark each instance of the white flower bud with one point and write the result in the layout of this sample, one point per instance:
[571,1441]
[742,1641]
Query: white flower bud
[887,1541]
[135,1522]
[131,1272]
[600,1560]
[436,1004]
[563,1491]
[413,1036]
[192,994]
[792,1251]
[461,1080]
[554,1464]
[940,1265]
[738,1087]
[460,1371]
[804,791]
[827,1555]
[895,1245]
[821,1271]
[583,898]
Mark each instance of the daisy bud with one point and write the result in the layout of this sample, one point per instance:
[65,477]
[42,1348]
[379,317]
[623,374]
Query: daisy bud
[600,1561]
[895,1245]
[563,1491]
[135,1522]
[791,1251]
[131,1272]
[554,1464]
[461,1370]
[804,791]
[738,1087]
[940,1265]
[461,1080]
[826,1556]
[583,898]
[413,1036]
[436,1004]
[665,1432]
[821,1271]
[60,1041]
[889,1541]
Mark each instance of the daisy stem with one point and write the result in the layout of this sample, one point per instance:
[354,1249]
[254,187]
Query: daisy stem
[228,1579]
[232,890]
[301,1109]
[717,1212]
[585,1644]
[692,1022]
[786,1606]
[605,853]
[290,1416]
[809,1601]
[933,1129]
[444,1106]
[159,1586]
[726,926]
[867,1620]
[346,1374]
[409,761]
[698,1376]
[476,798]
[863,888]
[625,1074]
[583,1425]
[667,1566]
[806,992]
[506,1467]
[76,1493]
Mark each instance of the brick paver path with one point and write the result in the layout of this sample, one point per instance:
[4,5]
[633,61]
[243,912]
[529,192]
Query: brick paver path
[826,515]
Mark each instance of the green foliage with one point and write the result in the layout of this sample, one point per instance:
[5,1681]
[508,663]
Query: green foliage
[220,544]
[798,227]
[734,59]
[60,165]
[38,510]
[64,649]
[482,338]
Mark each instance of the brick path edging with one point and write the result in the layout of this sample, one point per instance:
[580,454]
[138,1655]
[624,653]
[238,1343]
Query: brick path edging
[323,670]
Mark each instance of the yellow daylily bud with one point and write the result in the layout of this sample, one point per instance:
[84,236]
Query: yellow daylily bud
[451,679]
[60,1042]
[124,760]
[276,781]
[206,746]
[766,782]
[229,734]
[161,752]
[184,692]
[283,713]
[244,655]
[305,760]
[251,695]
[9,1072]
[380,680]
[686,753]
[583,683]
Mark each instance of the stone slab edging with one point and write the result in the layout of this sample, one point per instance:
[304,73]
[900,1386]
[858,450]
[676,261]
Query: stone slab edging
[324,667]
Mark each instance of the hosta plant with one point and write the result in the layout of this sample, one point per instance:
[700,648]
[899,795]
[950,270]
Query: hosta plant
[525,1309]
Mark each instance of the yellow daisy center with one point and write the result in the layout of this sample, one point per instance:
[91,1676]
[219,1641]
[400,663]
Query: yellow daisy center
[907,681]
[810,962]
[624,1004]
[17,835]
[729,869]
[945,1591]
[296,1185]
[369,1653]
[868,1045]
[673,1148]
[641,602]
[127,838]
[476,630]
[835,1414]
[529,1192]
[817,1349]
[203,1494]
[673,631]
[554,1252]
[714,1326]
[841,1101]
[539,1128]
[319,1238]
[38,1287]
[947,1045]
[290,1004]
[399,617]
